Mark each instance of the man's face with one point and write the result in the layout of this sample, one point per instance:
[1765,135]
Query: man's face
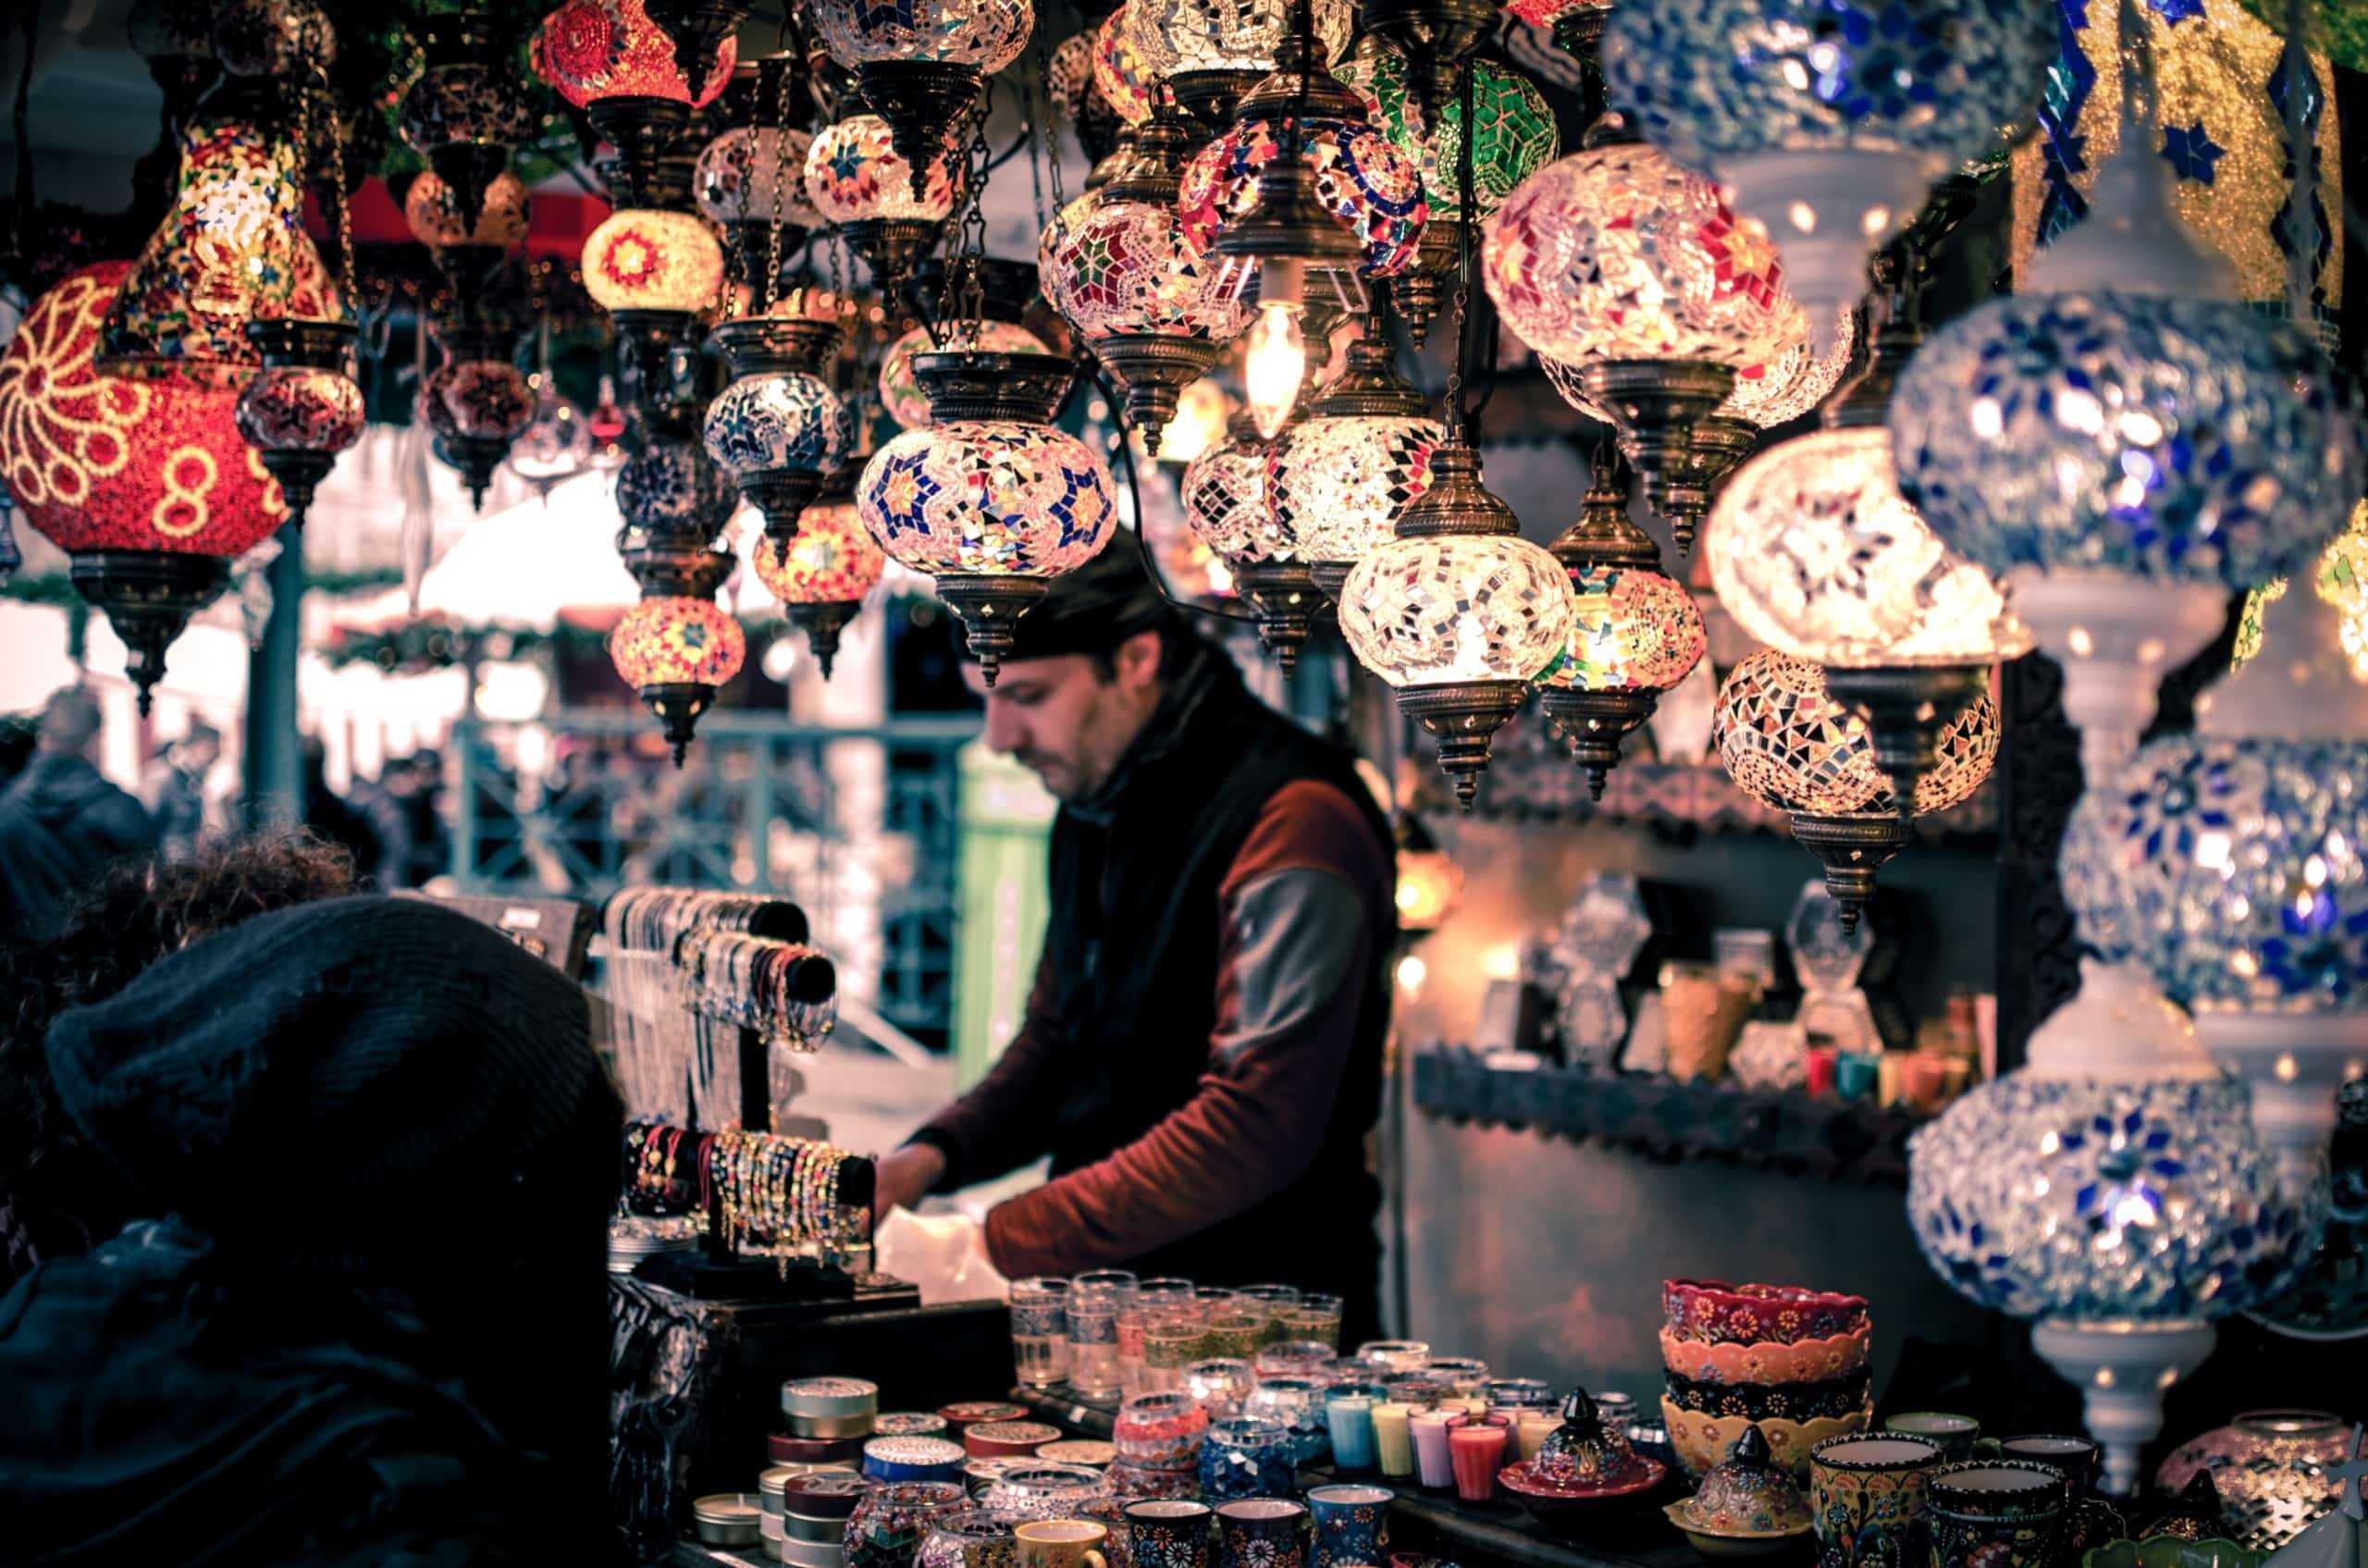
[1066,720]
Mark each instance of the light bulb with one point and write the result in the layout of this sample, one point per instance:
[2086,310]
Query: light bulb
[1274,367]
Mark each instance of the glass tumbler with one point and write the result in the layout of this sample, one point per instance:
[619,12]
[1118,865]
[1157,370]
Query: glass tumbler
[1040,1347]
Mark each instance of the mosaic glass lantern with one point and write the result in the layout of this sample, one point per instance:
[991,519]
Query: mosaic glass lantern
[476,404]
[1346,474]
[1211,52]
[1124,82]
[778,428]
[652,260]
[1575,24]
[231,251]
[1458,614]
[921,62]
[1829,119]
[589,51]
[1790,744]
[1632,270]
[146,483]
[556,445]
[991,500]
[2112,1189]
[1764,396]
[901,395]
[677,652]
[671,489]
[1517,135]
[1068,76]
[752,174]
[821,575]
[435,220]
[856,179]
[466,113]
[1224,491]
[1634,631]
[1375,190]
[290,39]
[304,407]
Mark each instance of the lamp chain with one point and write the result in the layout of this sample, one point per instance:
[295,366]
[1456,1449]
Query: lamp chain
[1458,417]
[766,285]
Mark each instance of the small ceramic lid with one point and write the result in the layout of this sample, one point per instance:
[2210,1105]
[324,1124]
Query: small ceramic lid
[1747,1492]
[2193,1515]
[829,1396]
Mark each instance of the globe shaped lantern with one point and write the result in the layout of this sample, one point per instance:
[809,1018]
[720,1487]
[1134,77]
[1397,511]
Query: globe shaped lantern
[146,483]
[991,500]
[1211,52]
[290,39]
[304,407]
[1632,270]
[648,259]
[433,218]
[1829,122]
[821,575]
[1346,474]
[677,651]
[778,428]
[921,64]
[856,179]
[1118,268]
[1790,744]
[466,113]
[1634,631]
[1577,25]
[751,179]
[556,445]
[477,402]
[1516,137]
[231,251]
[901,395]
[2127,445]
[1120,75]
[1228,504]
[1458,613]
[2112,1189]
[611,59]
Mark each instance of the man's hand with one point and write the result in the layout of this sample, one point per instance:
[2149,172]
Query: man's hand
[904,1177]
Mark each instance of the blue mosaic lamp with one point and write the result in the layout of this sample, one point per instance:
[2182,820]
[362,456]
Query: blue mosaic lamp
[2125,442]
[2112,1190]
[778,428]
[1829,119]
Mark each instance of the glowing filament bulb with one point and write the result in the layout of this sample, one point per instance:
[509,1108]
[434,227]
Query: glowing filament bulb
[1275,366]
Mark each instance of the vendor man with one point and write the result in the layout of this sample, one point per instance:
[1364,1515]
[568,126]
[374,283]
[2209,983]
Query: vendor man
[1201,1054]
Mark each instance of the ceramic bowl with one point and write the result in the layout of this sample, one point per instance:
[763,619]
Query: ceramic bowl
[1763,1401]
[1720,1545]
[1561,1504]
[1714,1311]
[1703,1441]
[2169,1552]
[1765,1361]
[1043,1490]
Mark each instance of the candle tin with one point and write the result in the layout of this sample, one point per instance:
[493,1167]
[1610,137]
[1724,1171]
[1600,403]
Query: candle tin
[830,1407]
[913,1459]
[788,1448]
[812,1554]
[961,1417]
[908,1423]
[729,1518]
[824,1494]
[768,1536]
[1007,1439]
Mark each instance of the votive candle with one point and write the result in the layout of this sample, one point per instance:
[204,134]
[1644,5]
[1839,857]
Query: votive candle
[1476,1453]
[1429,1430]
[1349,1419]
[1531,1429]
[1393,1444]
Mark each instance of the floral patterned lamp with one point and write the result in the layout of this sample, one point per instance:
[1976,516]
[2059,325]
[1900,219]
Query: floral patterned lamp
[304,407]
[857,180]
[466,113]
[654,270]
[146,483]
[477,402]
[1635,631]
[921,64]
[1790,744]
[677,651]
[821,575]
[778,428]
[991,500]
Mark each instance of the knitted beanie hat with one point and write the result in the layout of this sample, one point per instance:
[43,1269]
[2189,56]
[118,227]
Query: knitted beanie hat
[346,1077]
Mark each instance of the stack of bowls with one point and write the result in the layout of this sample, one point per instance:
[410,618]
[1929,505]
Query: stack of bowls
[1791,1361]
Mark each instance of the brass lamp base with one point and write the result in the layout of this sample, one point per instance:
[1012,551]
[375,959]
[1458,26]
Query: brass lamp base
[1594,723]
[1907,709]
[1152,369]
[1852,848]
[148,596]
[924,102]
[990,605]
[823,621]
[1286,601]
[1655,405]
[1464,716]
[678,705]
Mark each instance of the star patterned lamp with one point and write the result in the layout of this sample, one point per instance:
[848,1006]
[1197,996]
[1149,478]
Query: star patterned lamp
[778,428]
[2112,1190]
[146,483]
[1211,52]
[1229,502]
[304,407]
[1634,631]
[858,181]
[1631,269]
[477,402]
[1458,614]
[2128,444]
[993,500]
[1346,474]
[921,62]
[752,181]
[609,59]
[1790,744]
[677,651]
[1117,265]
[1829,120]
[821,575]
[466,114]
[1516,138]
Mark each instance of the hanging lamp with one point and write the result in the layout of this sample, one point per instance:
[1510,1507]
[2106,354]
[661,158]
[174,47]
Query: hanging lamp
[778,429]
[1210,52]
[922,65]
[1433,37]
[466,114]
[609,59]
[821,577]
[1347,473]
[858,181]
[477,401]
[751,179]
[1229,501]
[304,407]
[1634,631]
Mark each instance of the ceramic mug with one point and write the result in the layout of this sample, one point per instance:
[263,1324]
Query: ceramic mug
[1262,1533]
[1169,1533]
[1351,1524]
[1866,1498]
[2078,1458]
[1062,1543]
[1995,1514]
[1956,1434]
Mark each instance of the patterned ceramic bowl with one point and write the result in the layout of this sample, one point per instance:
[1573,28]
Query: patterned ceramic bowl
[1718,1544]
[1702,1440]
[1759,1402]
[1044,1491]
[1559,1502]
[1714,1311]
[1807,1361]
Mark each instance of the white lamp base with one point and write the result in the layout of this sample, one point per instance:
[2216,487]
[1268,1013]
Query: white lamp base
[2115,636]
[1826,211]
[2122,1370]
[2294,1063]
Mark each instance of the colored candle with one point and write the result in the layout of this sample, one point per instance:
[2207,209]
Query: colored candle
[1349,1417]
[1393,1444]
[1531,1432]
[1476,1453]
[1429,1429]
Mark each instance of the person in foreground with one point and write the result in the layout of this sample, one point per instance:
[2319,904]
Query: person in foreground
[366,1325]
[1201,1053]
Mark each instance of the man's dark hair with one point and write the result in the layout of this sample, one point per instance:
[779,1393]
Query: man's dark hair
[1094,608]
[1177,642]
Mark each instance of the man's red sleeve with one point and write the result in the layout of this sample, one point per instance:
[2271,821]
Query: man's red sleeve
[1302,912]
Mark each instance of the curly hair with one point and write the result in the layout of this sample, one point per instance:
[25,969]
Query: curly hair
[55,1194]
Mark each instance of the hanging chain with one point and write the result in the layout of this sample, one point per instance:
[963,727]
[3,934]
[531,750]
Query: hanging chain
[770,282]
[1039,109]
[965,293]
[1459,419]
[1051,142]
